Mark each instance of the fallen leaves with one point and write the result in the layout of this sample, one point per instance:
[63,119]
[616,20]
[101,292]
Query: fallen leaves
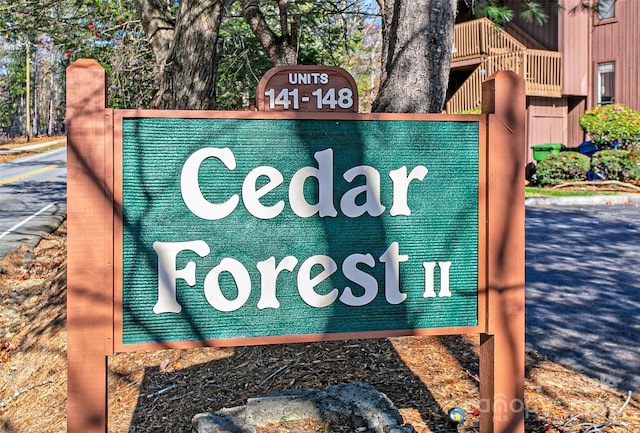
[6,349]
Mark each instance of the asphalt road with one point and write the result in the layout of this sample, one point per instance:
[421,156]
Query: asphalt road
[583,289]
[32,198]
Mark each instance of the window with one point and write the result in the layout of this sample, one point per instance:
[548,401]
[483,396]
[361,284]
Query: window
[606,83]
[606,9]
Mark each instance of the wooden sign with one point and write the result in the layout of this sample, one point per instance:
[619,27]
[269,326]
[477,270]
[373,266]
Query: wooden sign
[307,88]
[205,228]
[250,228]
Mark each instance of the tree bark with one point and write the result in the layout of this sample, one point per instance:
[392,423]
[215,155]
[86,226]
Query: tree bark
[416,55]
[282,50]
[159,26]
[185,51]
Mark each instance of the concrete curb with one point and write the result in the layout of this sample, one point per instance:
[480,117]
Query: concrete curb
[32,147]
[46,224]
[594,200]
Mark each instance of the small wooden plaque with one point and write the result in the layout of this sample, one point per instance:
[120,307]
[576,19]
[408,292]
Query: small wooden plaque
[308,88]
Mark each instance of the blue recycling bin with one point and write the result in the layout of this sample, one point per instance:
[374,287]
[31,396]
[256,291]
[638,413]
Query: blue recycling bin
[588,148]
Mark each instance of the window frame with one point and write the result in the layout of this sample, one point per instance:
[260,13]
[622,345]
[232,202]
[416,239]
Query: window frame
[610,8]
[599,82]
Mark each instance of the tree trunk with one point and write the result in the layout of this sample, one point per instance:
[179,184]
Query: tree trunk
[416,55]
[159,26]
[282,50]
[185,51]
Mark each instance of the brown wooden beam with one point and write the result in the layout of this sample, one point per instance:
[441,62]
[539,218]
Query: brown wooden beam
[89,250]
[502,346]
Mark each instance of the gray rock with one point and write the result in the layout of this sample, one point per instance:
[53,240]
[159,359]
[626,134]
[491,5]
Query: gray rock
[369,407]
[359,407]
[219,423]
[283,406]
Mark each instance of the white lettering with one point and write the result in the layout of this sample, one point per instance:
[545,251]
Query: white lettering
[354,203]
[307,284]
[392,259]
[168,274]
[324,176]
[312,273]
[213,292]
[401,188]
[371,191]
[269,275]
[429,268]
[190,187]
[251,195]
[366,281]
[429,291]
[444,280]
[302,78]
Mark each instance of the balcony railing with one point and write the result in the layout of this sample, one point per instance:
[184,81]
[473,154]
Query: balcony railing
[541,69]
[543,73]
[482,37]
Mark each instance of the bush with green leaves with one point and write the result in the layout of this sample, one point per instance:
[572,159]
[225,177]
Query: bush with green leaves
[562,167]
[620,165]
[609,123]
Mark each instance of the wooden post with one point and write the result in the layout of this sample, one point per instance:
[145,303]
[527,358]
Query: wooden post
[90,255]
[502,347]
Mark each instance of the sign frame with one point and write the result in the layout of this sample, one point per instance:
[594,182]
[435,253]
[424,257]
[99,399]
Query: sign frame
[119,117]
[94,237]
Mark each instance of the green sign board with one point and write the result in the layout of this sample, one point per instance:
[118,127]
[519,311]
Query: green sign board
[240,228]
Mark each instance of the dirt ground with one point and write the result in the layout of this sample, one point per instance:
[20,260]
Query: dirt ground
[161,391]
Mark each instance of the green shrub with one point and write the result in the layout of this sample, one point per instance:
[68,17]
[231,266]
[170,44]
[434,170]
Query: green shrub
[562,167]
[621,165]
[608,123]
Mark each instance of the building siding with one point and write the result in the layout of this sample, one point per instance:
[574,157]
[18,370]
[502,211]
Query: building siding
[573,43]
[547,34]
[618,40]
[546,120]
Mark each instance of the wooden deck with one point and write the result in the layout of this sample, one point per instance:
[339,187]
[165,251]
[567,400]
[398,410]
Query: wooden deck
[483,43]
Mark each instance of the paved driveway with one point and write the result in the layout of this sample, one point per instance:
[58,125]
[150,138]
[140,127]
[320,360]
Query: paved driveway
[583,289]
